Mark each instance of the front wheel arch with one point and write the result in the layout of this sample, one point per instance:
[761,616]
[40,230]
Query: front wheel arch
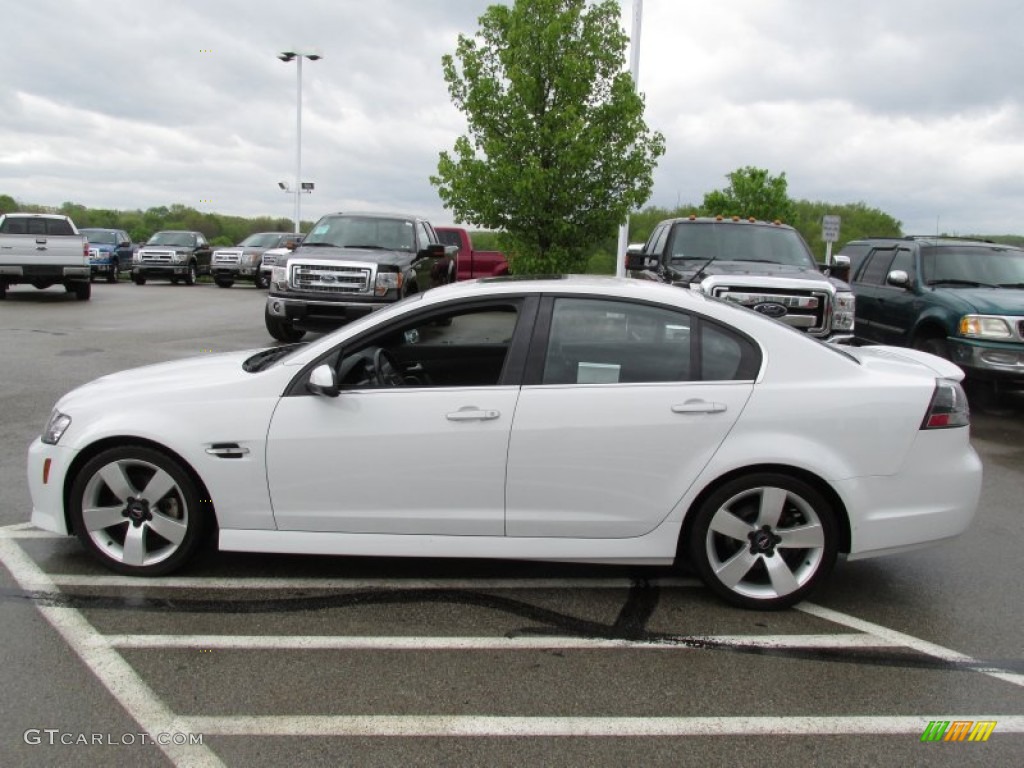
[86,454]
[822,487]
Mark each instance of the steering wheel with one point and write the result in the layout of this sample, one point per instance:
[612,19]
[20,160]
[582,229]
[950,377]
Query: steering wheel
[386,371]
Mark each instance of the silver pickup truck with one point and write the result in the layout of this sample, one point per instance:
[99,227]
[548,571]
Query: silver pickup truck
[43,249]
[765,266]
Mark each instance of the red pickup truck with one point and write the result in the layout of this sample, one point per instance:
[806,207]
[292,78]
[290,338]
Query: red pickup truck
[470,263]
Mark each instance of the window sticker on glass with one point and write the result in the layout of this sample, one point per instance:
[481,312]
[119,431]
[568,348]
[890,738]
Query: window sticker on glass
[597,373]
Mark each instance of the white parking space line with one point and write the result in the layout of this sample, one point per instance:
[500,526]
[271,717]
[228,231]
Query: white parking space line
[329,642]
[909,641]
[101,654]
[109,667]
[472,725]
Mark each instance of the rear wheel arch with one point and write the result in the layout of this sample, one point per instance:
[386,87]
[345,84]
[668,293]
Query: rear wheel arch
[88,453]
[816,482]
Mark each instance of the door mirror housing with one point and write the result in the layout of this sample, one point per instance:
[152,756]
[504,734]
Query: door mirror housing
[322,382]
[899,278]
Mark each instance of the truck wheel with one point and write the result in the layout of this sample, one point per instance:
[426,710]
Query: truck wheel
[138,279]
[935,345]
[82,291]
[261,280]
[136,510]
[190,277]
[115,272]
[223,282]
[282,330]
[3,290]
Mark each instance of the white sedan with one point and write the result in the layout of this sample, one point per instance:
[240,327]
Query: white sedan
[577,419]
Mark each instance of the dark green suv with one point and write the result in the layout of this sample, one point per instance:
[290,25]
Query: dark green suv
[960,299]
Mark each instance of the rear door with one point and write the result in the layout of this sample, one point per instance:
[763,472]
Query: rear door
[625,404]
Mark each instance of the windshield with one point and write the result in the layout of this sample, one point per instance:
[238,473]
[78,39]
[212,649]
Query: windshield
[100,236]
[363,232]
[738,242]
[185,239]
[262,240]
[972,265]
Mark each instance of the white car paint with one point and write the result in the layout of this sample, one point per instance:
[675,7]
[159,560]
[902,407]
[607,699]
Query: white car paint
[572,472]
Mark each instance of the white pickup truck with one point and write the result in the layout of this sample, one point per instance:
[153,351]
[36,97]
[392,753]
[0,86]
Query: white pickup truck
[43,249]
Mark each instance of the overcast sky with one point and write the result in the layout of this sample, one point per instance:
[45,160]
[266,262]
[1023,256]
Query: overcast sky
[910,106]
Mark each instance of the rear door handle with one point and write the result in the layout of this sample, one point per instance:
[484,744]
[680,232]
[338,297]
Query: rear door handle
[472,413]
[699,406]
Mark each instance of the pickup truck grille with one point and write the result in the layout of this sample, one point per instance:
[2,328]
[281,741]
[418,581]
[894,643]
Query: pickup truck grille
[156,257]
[323,278]
[807,310]
[227,257]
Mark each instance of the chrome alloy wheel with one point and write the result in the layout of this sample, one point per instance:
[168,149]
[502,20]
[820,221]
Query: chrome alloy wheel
[135,513]
[764,541]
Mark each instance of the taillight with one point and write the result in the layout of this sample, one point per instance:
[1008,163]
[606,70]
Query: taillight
[948,407]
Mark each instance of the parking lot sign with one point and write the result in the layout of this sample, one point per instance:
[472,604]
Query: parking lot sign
[829,228]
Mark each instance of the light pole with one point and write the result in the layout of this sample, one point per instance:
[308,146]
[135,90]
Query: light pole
[298,56]
[634,70]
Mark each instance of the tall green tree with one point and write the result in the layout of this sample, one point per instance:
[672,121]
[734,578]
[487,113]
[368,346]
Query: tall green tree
[557,151]
[751,192]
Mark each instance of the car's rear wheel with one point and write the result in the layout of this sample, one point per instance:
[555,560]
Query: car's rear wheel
[223,282]
[764,540]
[136,510]
[282,330]
[82,291]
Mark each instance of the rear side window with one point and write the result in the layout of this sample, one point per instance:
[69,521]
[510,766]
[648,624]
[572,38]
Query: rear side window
[876,267]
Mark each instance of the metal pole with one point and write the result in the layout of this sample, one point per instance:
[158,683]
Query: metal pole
[634,71]
[298,147]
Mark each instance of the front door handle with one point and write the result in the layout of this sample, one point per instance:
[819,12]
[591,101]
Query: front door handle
[472,413]
[699,406]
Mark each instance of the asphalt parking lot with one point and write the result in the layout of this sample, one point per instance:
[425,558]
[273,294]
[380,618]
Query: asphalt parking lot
[278,660]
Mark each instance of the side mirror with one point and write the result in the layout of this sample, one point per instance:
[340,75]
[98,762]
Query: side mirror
[321,382]
[899,278]
[638,261]
[434,251]
[839,269]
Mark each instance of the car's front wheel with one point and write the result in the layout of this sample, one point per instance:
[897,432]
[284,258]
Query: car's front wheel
[764,540]
[136,510]
[114,273]
[192,275]
[282,330]
[260,280]
[138,279]
[223,282]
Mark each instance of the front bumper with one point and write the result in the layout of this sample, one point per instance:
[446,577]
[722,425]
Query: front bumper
[987,360]
[48,496]
[314,312]
[160,270]
[233,270]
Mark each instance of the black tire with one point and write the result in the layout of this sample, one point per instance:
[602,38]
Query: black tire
[223,282]
[261,281]
[115,272]
[744,536]
[138,279]
[934,345]
[191,276]
[282,330]
[82,291]
[3,290]
[133,527]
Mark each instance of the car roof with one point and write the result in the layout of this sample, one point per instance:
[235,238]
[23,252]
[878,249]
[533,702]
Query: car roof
[726,220]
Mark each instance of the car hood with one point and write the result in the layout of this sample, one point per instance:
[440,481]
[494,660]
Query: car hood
[904,361]
[988,301]
[176,376]
[369,255]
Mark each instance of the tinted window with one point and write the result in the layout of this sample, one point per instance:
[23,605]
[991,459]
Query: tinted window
[904,260]
[596,341]
[876,267]
[988,265]
[855,252]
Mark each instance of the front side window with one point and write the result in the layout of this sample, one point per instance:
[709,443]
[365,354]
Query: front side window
[463,347]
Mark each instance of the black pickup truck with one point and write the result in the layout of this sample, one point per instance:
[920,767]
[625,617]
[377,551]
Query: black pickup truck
[351,264]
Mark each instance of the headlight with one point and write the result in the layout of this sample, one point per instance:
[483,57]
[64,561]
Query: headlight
[55,427]
[843,311]
[985,327]
[279,277]
[246,259]
[387,281]
[179,258]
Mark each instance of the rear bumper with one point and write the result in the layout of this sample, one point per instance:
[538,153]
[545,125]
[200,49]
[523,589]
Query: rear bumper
[16,273]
